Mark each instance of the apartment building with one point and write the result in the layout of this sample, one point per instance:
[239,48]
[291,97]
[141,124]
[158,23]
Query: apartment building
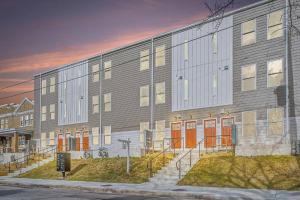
[190,84]
[16,126]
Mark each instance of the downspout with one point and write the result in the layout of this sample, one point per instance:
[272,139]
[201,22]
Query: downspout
[152,86]
[287,66]
[100,101]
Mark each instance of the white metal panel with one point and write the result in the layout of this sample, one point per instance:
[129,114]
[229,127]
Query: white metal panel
[203,69]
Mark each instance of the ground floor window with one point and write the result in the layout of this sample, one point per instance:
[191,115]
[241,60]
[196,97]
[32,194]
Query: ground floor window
[95,133]
[275,121]
[107,134]
[143,126]
[160,129]
[51,138]
[249,123]
[43,140]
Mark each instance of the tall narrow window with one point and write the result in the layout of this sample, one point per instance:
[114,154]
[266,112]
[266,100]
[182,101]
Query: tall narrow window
[52,138]
[275,24]
[249,123]
[21,121]
[31,119]
[96,104]
[107,70]
[44,113]
[160,129]
[248,77]
[160,59]
[186,90]
[107,134]
[214,45]
[275,73]
[52,111]
[248,35]
[44,87]
[43,140]
[95,70]
[143,127]
[275,121]
[6,123]
[160,95]
[107,102]
[95,134]
[144,96]
[27,120]
[2,123]
[186,50]
[144,60]
[52,84]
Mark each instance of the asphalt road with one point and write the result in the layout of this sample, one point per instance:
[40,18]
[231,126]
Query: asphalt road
[37,193]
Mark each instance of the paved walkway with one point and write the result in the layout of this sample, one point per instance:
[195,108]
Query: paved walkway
[147,189]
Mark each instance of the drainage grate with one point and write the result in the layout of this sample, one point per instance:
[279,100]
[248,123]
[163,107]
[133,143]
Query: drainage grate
[179,190]
[106,185]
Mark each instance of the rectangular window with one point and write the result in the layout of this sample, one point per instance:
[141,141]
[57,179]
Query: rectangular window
[143,126]
[275,73]
[248,77]
[144,96]
[6,123]
[249,123]
[95,134]
[107,102]
[275,24]
[52,111]
[27,121]
[51,138]
[96,104]
[95,70]
[160,59]
[186,90]
[186,50]
[248,32]
[144,60]
[160,129]
[21,121]
[214,43]
[275,121]
[52,84]
[107,134]
[107,70]
[43,140]
[160,93]
[31,119]
[2,124]
[44,87]
[44,113]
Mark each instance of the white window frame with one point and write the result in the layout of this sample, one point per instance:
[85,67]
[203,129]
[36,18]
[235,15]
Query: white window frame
[270,35]
[44,86]
[52,84]
[243,79]
[144,60]
[107,70]
[143,126]
[281,73]
[245,34]
[95,134]
[2,123]
[44,113]
[255,122]
[95,104]
[27,120]
[6,123]
[107,102]
[52,111]
[160,56]
[160,92]
[282,121]
[144,96]
[107,135]
[95,72]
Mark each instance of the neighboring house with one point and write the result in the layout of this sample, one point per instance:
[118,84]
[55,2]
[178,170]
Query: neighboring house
[190,83]
[16,126]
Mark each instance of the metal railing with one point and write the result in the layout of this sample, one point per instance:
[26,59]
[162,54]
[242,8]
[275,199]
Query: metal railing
[163,153]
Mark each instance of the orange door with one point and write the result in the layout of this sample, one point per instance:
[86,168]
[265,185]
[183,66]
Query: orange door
[67,142]
[190,134]
[176,134]
[77,142]
[85,141]
[226,131]
[60,143]
[209,133]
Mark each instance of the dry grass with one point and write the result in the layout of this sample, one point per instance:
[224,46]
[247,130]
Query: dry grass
[264,172]
[102,170]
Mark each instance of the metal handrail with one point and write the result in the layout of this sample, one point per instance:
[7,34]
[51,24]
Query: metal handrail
[149,163]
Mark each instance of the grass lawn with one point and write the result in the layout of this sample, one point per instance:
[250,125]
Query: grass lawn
[102,170]
[265,172]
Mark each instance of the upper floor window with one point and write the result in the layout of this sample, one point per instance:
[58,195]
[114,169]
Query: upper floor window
[31,119]
[214,43]
[160,95]
[144,96]
[52,84]
[275,73]
[107,134]
[44,113]
[6,123]
[186,50]
[44,87]
[248,77]
[144,60]
[2,123]
[27,120]
[95,70]
[52,111]
[107,102]
[275,121]
[21,121]
[107,70]
[160,58]
[95,104]
[248,32]
[275,24]
[249,123]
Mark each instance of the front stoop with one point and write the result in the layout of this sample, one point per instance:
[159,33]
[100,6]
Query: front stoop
[31,167]
[169,175]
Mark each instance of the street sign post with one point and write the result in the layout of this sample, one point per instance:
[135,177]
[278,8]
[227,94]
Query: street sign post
[126,144]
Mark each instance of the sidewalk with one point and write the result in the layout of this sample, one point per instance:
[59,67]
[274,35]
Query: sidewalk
[147,189]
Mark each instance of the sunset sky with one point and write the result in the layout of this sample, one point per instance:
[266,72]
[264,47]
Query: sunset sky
[37,35]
